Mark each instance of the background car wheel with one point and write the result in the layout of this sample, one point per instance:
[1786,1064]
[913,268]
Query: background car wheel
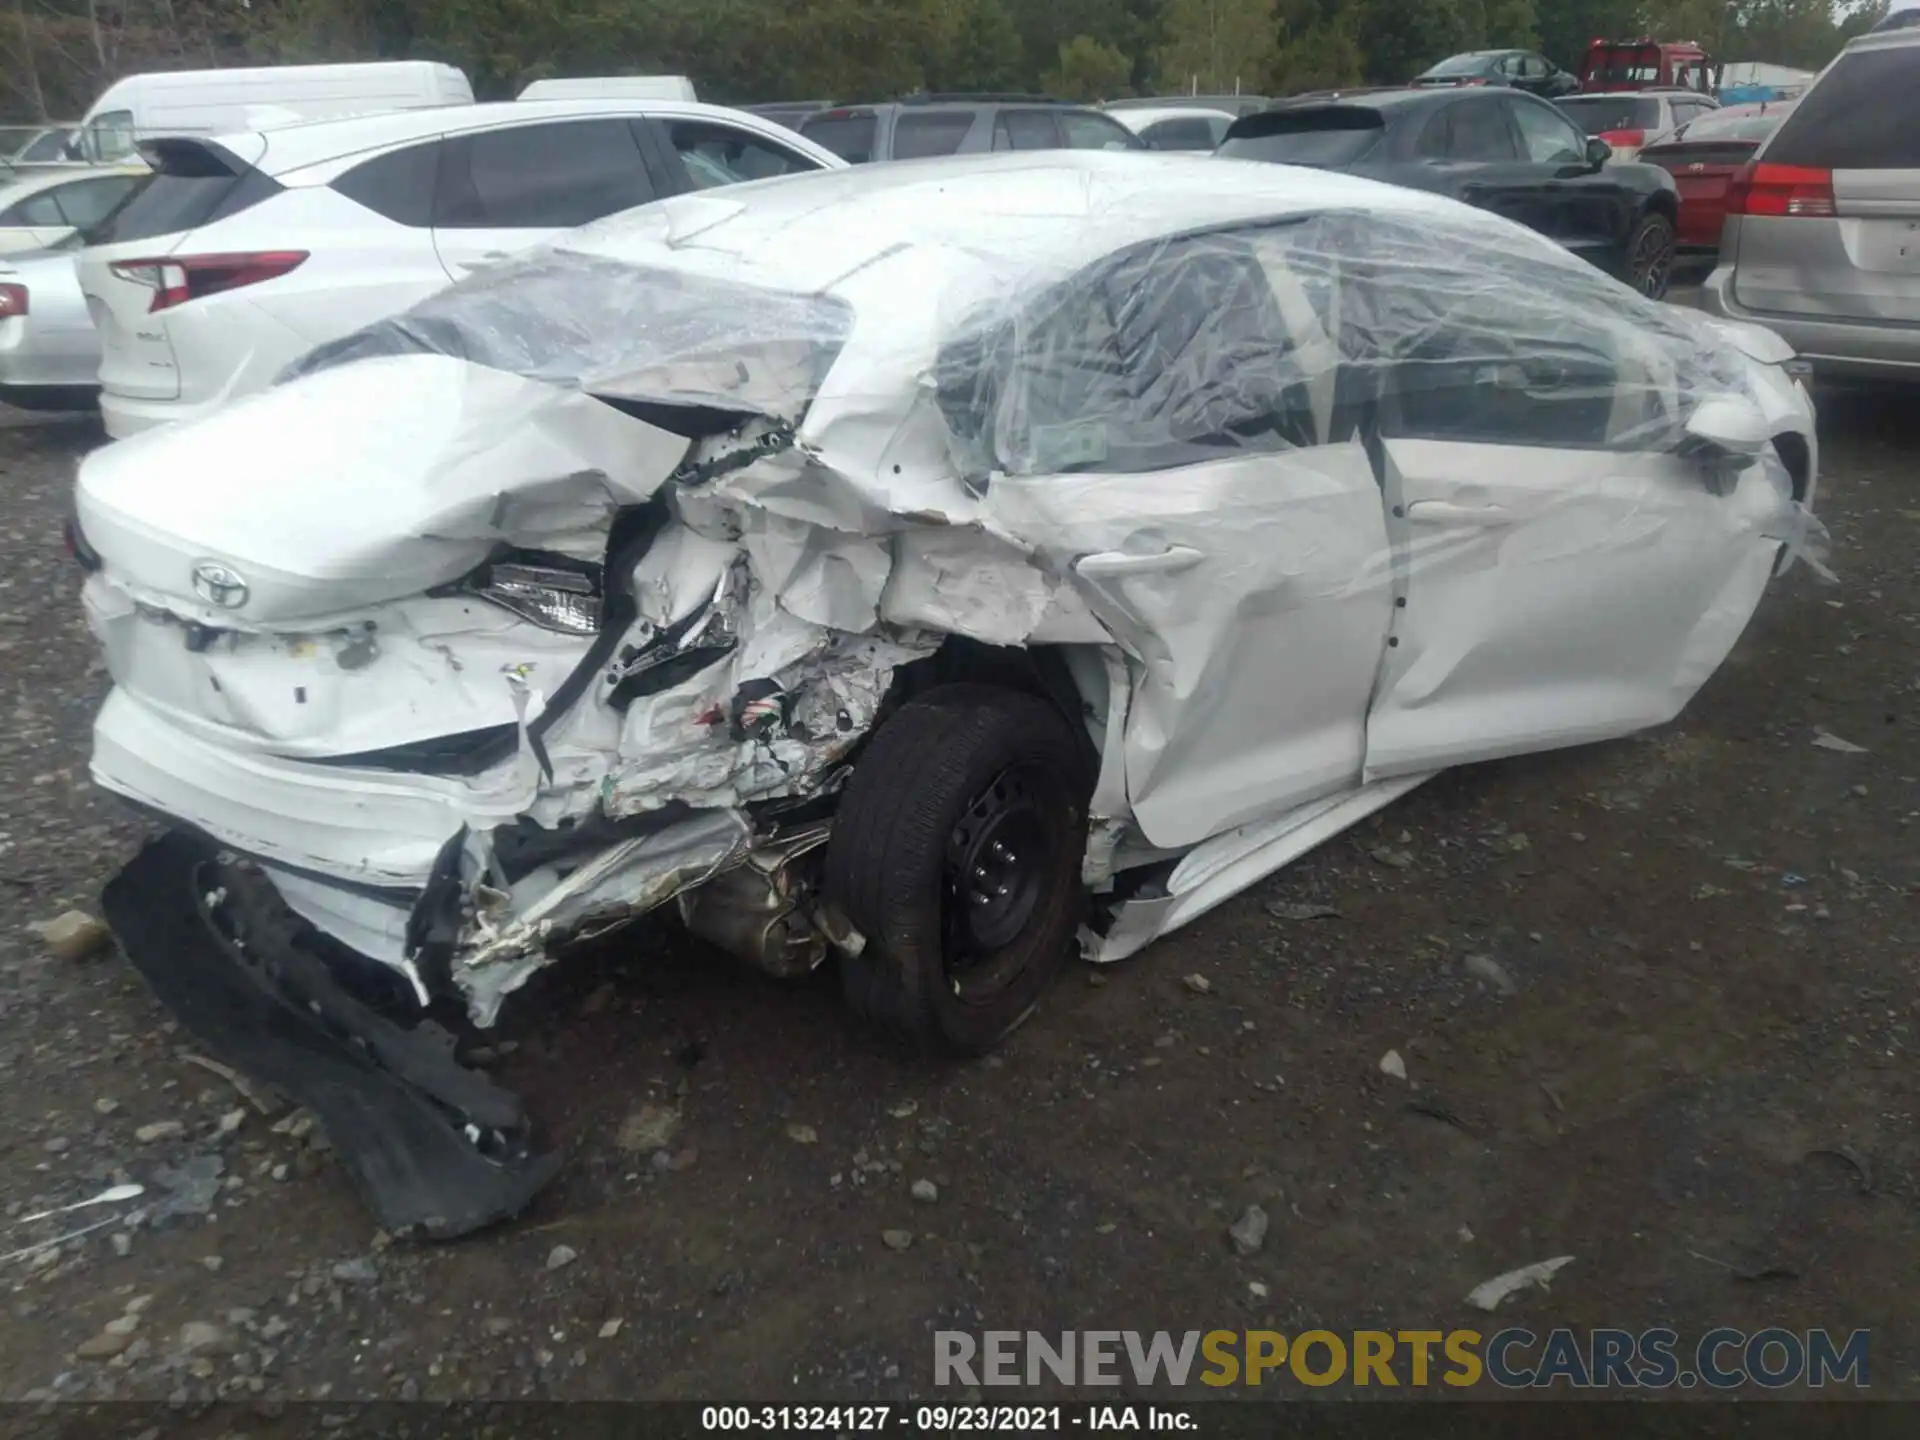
[956,853]
[1650,255]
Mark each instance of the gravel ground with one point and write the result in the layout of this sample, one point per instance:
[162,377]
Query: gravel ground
[1654,1001]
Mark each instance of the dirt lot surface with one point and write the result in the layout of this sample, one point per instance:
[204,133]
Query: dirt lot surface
[1654,1000]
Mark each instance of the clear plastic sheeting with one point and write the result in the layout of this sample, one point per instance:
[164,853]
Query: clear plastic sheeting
[1211,427]
[619,331]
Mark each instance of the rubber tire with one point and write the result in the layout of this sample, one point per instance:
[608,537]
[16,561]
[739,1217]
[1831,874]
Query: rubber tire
[885,861]
[1653,219]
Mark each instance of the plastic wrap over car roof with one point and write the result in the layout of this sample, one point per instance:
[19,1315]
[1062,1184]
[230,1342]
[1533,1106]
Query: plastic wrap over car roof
[618,330]
[1082,314]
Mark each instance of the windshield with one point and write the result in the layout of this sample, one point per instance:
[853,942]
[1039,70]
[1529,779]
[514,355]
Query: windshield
[1327,138]
[50,146]
[1460,65]
[1597,114]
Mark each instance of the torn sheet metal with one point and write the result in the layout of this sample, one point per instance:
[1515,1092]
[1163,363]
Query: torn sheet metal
[509,937]
[372,482]
[1334,484]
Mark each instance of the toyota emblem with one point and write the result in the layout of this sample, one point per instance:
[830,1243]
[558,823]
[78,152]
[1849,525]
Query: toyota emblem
[219,585]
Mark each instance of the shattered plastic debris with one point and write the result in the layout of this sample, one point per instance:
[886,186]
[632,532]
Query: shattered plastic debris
[1823,740]
[1488,1294]
[1286,910]
[112,1195]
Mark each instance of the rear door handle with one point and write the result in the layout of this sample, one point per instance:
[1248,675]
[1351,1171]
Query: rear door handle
[1445,512]
[1115,563]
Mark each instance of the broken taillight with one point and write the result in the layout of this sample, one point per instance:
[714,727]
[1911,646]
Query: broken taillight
[553,592]
[176,279]
[13,301]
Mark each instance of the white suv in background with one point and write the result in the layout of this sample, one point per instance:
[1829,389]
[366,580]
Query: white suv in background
[246,251]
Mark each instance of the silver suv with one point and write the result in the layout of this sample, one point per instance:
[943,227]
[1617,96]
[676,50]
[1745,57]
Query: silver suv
[1822,238]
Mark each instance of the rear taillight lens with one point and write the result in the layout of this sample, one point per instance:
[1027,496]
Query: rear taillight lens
[177,279]
[552,592]
[13,301]
[1624,139]
[1783,190]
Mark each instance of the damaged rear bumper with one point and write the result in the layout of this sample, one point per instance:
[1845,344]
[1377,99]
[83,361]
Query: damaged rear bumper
[435,1148]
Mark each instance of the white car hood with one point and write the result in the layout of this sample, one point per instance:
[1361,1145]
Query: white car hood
[440,460]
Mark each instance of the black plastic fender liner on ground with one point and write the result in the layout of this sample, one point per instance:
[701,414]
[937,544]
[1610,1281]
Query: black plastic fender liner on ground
[408,1152]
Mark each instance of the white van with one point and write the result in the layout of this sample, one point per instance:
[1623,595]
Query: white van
[214,102]
[612,87]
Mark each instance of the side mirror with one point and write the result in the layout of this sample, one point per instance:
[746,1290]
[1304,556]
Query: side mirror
[1728,424]
[1598,151]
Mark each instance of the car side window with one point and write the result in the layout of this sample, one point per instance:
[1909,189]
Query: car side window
[1085,130]
[548,177]
[1475,129]
[1533,67]
[1173,353]
[1549,137]
[86,202]
[1025,130]
[398,184]
[716,154]
[35,210]
[110,136]
[919,133]
[1185,133]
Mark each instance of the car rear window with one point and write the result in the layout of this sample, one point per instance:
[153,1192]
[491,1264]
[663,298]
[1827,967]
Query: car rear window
[1730,127]
[1597,114]
[193,184]
[1313,137]
[1184,133]
[1461,65]
[938,133]
[1864,114]
[847,133]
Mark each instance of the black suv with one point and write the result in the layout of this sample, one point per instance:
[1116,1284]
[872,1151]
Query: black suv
[923,125]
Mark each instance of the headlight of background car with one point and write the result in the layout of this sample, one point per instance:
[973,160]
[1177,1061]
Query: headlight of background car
[552,591]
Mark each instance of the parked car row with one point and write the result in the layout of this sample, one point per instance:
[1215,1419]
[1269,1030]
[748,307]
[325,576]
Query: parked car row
[241,253]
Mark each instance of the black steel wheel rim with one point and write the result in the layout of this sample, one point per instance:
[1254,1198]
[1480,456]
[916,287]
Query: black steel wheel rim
[1002,855]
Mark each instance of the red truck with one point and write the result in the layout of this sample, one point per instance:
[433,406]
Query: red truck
[1646,64]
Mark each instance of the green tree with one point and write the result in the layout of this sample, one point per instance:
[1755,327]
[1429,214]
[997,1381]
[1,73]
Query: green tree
[1400,38]
[974,45]
[1088,69]
[1218,47]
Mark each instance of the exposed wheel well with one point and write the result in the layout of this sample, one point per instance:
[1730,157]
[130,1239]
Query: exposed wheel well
[1040,670]
[1796,456]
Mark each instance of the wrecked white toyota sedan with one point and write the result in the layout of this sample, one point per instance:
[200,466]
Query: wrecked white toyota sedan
[925,569]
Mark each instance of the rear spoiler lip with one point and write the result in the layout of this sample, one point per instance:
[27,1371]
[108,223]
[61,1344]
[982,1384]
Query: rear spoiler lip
[156,151]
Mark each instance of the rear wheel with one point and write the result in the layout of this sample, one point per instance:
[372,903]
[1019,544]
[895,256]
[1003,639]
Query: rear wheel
[1650,255]
[956,853]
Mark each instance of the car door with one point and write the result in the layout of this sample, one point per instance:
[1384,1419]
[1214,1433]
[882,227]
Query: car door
[31,223]
[1474,151]
[1565,576]
[1583,201]
[1026,130]
[1165,437]
[704,154]
[500,191]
